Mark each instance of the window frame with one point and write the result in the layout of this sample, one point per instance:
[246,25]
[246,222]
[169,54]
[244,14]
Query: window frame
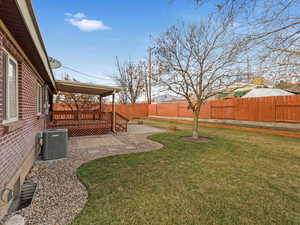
[45,100]
[39,99]
[5,106]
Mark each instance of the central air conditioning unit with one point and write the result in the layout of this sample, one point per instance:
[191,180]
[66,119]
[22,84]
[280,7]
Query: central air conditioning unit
[55,144]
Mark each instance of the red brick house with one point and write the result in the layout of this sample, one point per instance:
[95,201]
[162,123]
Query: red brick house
[26,83]
[27,86]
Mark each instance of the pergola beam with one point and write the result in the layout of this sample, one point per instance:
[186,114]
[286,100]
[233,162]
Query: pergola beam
[85,88]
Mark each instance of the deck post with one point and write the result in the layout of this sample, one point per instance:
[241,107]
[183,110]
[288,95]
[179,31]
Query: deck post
[100,111]
[113,113]
[100,103]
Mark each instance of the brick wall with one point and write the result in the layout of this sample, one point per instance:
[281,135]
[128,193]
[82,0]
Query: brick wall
[16,146]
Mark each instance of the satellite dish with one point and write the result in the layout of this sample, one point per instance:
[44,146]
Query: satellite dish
[54,63]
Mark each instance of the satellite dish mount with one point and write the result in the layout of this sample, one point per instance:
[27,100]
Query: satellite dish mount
[54,63]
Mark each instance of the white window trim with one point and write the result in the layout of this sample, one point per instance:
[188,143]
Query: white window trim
[10,57]
[39,99]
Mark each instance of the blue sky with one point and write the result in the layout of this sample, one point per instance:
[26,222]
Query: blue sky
[88,35]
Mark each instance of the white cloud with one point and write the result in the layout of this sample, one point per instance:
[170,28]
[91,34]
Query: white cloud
[79,15]
[78,20]
[68,14]
[89,25]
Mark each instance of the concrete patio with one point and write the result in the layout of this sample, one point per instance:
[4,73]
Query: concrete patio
[60,196]
[92,147]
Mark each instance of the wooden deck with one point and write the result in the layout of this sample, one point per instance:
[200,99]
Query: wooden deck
[87,122]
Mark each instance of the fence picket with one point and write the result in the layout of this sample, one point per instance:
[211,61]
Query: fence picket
[265,109]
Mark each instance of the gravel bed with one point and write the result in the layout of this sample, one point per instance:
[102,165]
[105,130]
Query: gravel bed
[60,196]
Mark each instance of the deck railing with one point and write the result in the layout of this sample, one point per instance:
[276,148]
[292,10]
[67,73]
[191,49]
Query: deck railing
[121,123]
[87,122]
[77,115]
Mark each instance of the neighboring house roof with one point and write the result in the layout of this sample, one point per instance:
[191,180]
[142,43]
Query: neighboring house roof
[238,86]
[242,86]
[18,20]
[167,98]
[236,90]
[266,92]
[295,88]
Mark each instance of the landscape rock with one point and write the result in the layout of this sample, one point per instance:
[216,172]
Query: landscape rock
[60,196]
[15,220]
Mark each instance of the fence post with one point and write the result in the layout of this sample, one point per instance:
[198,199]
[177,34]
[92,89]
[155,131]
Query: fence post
[234,108]
[275,109]
[76,115]
[113,113]
[210,107]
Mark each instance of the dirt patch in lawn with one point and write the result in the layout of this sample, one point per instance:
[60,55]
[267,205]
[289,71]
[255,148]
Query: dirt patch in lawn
[199,140]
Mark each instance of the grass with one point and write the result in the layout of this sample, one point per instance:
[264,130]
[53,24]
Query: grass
[237,178]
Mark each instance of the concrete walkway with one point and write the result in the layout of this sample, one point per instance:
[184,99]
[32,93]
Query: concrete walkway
[60,196]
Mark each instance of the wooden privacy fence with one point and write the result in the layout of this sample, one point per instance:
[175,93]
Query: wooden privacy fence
[266,109]
[130,111]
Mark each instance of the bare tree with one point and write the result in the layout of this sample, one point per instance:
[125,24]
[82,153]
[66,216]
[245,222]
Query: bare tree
[196,61]
[121,80]
[273,26]
[275,36]
[131,77]
[77,101]
[151,70]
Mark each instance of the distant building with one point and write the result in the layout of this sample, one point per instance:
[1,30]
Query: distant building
[289,86]
[266,92]
[294,88]
[239,89]
[167,98]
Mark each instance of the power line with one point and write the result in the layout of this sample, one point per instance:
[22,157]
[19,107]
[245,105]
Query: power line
[86,74]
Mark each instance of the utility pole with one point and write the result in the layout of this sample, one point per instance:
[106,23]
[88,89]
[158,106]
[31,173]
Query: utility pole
[150,76]
[248,70]
[146,87]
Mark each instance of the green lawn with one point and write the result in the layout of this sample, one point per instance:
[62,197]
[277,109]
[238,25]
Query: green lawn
[237,178]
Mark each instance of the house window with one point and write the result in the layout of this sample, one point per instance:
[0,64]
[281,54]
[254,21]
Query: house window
[46,100]
[39,99]
[10,87]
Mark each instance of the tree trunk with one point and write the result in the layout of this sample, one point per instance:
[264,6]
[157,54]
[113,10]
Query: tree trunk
[195,123]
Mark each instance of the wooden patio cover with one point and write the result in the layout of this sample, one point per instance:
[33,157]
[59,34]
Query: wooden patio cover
[91,89]
[85,88]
